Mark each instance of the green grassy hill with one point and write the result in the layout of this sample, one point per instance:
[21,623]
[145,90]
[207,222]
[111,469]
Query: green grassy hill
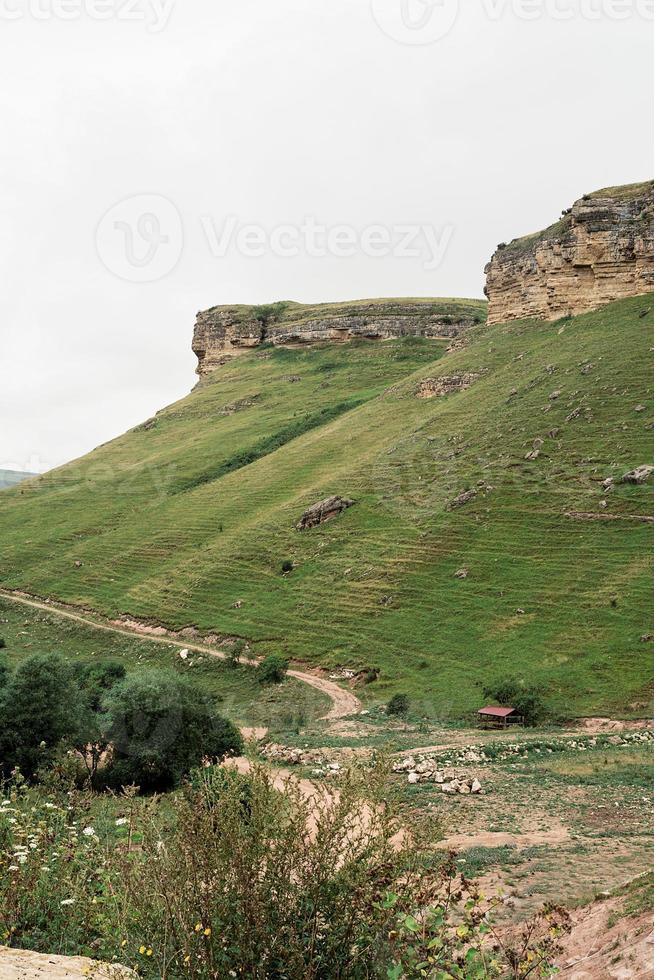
[10,478]
[189,518]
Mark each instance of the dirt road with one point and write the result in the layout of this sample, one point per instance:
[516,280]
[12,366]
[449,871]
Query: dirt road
[344,703]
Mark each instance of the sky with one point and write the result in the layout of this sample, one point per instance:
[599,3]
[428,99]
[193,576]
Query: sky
[158,157]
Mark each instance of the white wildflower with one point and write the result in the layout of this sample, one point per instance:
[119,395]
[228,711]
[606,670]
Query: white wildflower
[121,821]
[68,901]
[89,832]
[13,867]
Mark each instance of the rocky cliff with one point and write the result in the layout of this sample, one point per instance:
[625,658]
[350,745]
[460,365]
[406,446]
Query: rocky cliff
[601,250]
[224,332]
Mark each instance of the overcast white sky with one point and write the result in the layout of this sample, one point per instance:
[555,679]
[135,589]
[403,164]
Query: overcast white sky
[266,113]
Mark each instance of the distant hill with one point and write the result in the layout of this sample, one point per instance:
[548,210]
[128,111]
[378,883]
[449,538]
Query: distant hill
[9,478]
[483,542]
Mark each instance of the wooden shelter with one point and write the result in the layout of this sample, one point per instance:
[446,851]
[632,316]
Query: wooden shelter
[493,717]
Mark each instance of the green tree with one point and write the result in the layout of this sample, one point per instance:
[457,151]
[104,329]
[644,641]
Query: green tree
[161,726]
[39,707]
[272,670]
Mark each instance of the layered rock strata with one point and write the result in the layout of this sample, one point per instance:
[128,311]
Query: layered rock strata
[224,332]
[600,251]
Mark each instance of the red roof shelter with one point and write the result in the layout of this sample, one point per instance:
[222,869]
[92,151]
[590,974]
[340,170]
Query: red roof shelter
[499,717]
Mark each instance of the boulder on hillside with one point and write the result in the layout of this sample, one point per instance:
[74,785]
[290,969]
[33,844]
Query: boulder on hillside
[323,511]
[638,476]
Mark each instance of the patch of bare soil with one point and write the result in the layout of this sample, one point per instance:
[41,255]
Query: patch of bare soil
[537,838]
[604,947]
[599,725]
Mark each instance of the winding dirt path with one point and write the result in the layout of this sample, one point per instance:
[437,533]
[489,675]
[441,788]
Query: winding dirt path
[344,703]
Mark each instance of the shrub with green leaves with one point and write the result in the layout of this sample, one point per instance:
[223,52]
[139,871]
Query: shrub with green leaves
[399,705]
[161,726]
[38,708]
[240,876]
[272,670]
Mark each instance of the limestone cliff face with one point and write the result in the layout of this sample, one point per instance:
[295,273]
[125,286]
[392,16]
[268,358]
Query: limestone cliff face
[600,251]
[227,331]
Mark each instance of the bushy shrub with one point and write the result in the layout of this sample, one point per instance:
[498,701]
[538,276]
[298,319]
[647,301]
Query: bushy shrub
[241,876]
[38,708]
[160,727]
[272,670]
[399,705]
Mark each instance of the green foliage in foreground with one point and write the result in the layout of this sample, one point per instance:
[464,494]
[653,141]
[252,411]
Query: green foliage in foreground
[161,726]
[551,598]
[147,730]
[242,880]
[38,708]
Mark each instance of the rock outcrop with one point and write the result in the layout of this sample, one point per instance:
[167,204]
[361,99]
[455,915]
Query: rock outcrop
[600,251]
[325,510]
[227,331]
[19,964]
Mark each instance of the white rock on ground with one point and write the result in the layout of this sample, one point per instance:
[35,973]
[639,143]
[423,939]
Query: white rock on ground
[19,964]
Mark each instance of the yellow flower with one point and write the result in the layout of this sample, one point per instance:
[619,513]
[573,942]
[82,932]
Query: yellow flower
[187,959]
[123,944]
[198,927]
[142,950]
[149,952]
[207,932]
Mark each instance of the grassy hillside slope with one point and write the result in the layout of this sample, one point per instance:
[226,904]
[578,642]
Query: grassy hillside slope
[188,519]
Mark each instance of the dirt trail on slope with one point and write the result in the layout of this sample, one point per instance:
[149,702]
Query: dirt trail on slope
[344,703]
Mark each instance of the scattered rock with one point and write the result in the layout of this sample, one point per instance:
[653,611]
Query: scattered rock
[533,455]
[555,395]
[447,385]
[462,499]
[238,604]
[646,638]
[640,408]
[184,654]
[462,573]
[78,564]
[638,476]
[323,511]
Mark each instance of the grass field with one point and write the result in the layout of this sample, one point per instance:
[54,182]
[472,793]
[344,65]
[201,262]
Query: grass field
[188,519]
